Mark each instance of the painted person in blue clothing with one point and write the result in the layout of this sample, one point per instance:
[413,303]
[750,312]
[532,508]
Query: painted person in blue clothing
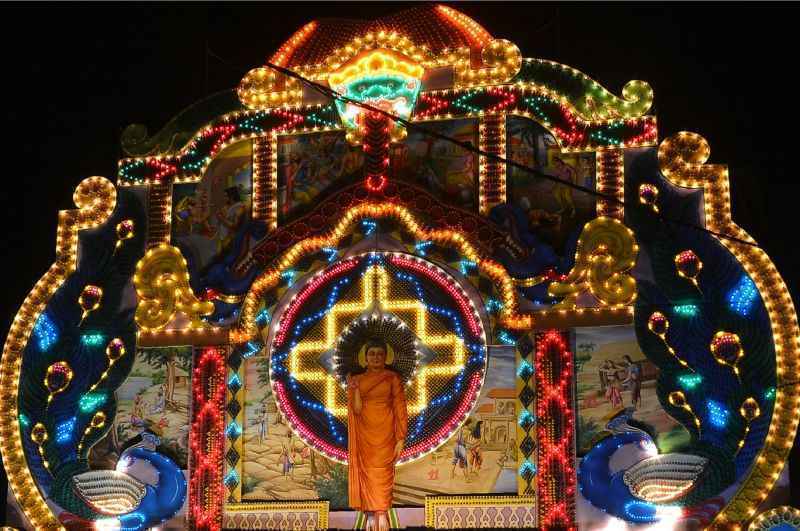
[634,381]
[460,451]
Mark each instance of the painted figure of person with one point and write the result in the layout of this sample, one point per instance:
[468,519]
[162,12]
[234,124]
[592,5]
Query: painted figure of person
[351,161]
[183,214]
[509,454]
[460,458]
[562,192]
[137,415]
[160,400]
[200,215]
[298,178]
[613,391]
[377,427]
[634,380]
[460,179]
[586,170]
[262,424]
[603,374]
[230,216]
[286,460]
[475,451]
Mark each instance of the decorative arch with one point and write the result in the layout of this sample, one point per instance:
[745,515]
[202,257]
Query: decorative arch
[509,314]
[544,106]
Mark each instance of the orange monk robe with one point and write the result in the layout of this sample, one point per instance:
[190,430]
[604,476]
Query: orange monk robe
[372,436]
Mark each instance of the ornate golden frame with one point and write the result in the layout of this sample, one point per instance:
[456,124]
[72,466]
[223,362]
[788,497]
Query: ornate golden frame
[434,502]
[321,506]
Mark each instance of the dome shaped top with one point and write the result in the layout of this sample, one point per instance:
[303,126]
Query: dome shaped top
[436,27]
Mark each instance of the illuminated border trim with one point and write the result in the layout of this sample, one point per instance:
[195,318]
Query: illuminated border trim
[322,507]
[467,24]
[648,122]
[159,212]
[469,398]
[265,180]
[182,336]
[247,329]
[96,199]
[555,387]
[682,160]
[298,113]
[637,95]
[161,281]
[207,439]
[502,63]
[284,53]
[610,180]
[784,513]
[434,502]
[197,175]
[525,486]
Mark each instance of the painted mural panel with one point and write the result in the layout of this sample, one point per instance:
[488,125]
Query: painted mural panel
[613,374]
[210,217]
[156,397]
[308,165]
[277,464]
[439,166]
[543,211]
[480,457]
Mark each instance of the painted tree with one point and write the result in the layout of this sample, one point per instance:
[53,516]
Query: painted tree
[169,357]
[263,371]
[586,350]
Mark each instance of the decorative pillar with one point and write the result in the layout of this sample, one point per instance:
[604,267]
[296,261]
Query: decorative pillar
[265,180]
[492,175]
[526,417]
[555,430]
[159,210]
[206,490]
[234,426]
[610,181]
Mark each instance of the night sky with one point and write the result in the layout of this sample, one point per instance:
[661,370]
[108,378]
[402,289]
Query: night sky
[75,76]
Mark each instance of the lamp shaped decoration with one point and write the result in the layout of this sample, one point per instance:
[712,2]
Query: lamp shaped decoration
[382,78]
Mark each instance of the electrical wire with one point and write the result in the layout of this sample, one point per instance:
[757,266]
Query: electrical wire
[327,91]
[330,93]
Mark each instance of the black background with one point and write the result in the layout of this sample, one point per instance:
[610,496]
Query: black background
[74,75]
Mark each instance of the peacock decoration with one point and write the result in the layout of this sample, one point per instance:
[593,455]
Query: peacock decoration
[80,351]
[700,318]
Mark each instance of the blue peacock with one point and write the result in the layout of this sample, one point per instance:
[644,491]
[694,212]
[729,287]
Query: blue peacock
[700,319]
[81,349]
